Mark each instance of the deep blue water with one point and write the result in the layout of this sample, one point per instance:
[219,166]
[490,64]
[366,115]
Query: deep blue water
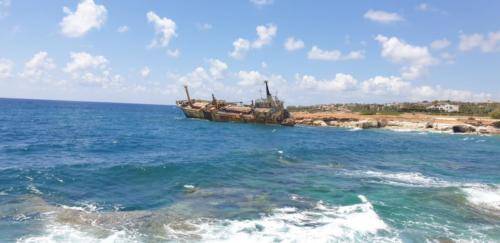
[89,172]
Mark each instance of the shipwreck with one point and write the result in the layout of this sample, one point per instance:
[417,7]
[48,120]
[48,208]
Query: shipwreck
[268,110]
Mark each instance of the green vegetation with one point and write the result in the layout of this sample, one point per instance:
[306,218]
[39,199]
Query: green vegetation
[465,108]
[495,114]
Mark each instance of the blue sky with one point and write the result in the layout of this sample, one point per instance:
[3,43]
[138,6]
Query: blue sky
[312,52]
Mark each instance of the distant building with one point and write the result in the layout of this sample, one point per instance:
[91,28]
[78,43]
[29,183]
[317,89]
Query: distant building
[444,107]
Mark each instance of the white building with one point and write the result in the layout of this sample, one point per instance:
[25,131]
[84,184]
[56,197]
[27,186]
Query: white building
[444,107]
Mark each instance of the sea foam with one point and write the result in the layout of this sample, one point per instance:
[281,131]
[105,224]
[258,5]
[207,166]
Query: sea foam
[485,197]
[358,222]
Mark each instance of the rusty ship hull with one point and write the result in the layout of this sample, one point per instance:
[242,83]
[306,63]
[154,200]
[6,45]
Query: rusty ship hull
[269,110]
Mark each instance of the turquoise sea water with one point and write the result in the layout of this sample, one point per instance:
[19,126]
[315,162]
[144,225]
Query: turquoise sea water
[91,172]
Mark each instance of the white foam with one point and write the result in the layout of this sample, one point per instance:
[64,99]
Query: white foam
[32,188]
[85,207]
[412,179]
[358,222]
[480,196]
[483,196]
[64,233]
[187,186]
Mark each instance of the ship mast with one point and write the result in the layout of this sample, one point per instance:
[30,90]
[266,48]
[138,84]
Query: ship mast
[187,94]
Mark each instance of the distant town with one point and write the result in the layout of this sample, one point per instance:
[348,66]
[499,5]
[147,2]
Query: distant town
[444,107]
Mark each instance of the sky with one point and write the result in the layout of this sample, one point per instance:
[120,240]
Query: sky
[312,52]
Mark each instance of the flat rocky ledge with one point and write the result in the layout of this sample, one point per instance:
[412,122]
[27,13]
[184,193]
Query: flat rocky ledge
[404,122]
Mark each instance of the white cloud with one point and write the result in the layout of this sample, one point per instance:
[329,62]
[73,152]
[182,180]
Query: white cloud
[4,8]
[334,55]
[382,16]
[341,82]
[380,85]
[447,58]
[265,34]
[82,61]
[204,26]
[423,7]
[38,66]
[87,16]
[217,68]
[486,43]
[437,93]
[416,59]
[241,47]
[200,76]
[440,44]
[6,67]
[261,2]
[122,29]
[165,30]
[263,64]
[173,53]
[292,44]
[145,71]
[91,70]
[255,78]
[250,78]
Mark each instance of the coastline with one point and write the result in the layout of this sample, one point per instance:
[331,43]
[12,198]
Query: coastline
[407,122]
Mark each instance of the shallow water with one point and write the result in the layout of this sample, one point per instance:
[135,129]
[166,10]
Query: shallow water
[92,172]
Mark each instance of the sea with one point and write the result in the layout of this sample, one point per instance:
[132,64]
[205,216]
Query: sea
[106,172]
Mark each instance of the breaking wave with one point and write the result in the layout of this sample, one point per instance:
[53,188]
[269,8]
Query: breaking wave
[323,222]
[410,179]
[485,197]
[358,222]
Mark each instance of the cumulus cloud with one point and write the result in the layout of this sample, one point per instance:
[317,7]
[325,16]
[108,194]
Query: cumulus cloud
[261,2]
[201,76]
[381,85]
[91,70]
[334,55]
[6,67]
[87,16]
[250,78]
[217,68]
[256,79]
[440,44]
[341,82]
[415,59]
[438,93]
[145,71]
[165,29]
[82,61]
[173,53]
[292,44]
[122,29]
[382,16]
[265,35]
[240,48]
[38,66]
[485,43]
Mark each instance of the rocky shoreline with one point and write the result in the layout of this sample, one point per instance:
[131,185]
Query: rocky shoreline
[404,122]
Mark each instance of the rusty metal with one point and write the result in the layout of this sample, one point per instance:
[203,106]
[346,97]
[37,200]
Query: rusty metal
[269,110]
